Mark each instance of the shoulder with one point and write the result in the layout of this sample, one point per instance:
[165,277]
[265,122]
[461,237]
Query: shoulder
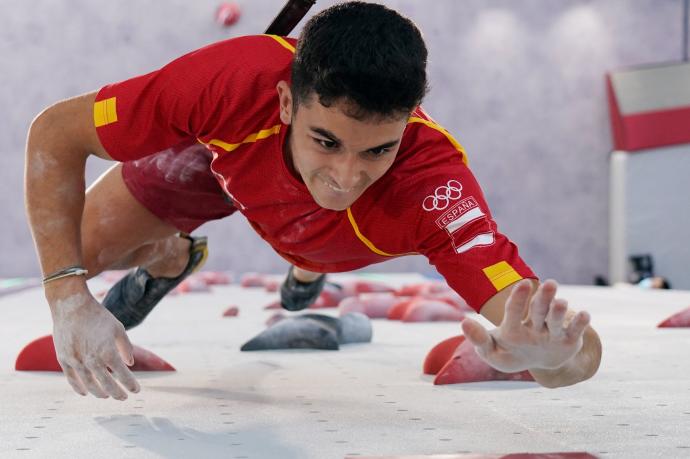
[430,158]
[240,58]
[429,178]
[247,46]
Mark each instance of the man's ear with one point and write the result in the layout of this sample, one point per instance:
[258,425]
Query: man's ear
[285,99]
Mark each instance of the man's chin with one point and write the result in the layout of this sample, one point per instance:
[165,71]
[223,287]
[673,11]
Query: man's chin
[333,204]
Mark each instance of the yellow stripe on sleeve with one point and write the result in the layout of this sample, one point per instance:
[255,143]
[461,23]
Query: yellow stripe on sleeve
[432,125]
[501,275]
[105,112]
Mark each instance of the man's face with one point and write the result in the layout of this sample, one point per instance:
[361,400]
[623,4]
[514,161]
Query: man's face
[337,156]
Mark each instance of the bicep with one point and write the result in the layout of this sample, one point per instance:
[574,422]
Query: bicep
[67,128]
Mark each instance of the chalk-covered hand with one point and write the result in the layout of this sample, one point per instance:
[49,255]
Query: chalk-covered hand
[541,341]
[90,344]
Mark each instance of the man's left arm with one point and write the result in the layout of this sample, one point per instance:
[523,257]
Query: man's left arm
[536,331]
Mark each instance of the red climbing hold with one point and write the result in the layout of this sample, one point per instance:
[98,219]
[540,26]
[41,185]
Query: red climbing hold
[39,355]
[680,319]
[464,365]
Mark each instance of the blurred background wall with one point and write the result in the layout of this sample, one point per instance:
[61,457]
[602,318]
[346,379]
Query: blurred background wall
[520,83]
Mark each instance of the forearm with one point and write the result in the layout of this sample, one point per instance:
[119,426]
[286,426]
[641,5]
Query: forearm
[54,199]
[580,368]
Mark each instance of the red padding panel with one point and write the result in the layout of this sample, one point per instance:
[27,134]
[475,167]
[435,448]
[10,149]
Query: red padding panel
[656,129]
[651,129]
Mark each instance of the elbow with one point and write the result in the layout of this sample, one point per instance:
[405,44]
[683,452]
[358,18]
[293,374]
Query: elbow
[55,138]
[39,130]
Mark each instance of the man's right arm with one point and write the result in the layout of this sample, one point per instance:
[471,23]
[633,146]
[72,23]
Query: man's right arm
[60,140]
[88,339]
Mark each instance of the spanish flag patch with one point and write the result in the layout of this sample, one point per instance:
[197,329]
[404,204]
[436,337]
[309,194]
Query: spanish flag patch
[105,112]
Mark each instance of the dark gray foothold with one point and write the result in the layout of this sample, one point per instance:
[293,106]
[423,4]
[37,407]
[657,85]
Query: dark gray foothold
[355,327]
[295,334]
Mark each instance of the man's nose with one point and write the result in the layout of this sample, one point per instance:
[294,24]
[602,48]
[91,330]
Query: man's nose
[346,171]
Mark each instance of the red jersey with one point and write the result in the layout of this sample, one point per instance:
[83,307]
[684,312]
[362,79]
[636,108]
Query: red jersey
[224,95]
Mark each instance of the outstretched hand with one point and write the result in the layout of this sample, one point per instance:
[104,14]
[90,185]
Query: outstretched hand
[541,341]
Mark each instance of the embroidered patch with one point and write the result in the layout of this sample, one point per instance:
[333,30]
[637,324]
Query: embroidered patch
[459,216]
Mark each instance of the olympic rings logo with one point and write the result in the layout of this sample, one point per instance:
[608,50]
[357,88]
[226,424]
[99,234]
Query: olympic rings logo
[442,196]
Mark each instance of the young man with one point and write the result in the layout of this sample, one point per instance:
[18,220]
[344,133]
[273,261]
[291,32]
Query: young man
[326,152]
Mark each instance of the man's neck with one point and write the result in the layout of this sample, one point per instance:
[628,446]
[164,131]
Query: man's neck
[287,155]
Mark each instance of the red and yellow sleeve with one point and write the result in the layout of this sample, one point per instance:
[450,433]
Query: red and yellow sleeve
[193,96]
[458,235]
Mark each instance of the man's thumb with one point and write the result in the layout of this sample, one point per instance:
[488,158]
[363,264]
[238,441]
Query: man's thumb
[124,346]
[477,335]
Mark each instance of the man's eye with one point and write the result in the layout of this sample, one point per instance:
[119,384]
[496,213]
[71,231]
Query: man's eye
[327,144]
[379,151]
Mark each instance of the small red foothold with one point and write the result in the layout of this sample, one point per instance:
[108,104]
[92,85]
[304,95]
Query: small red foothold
[215,277]
[252,280]
[680,319]
[330,297]
[424,310]
[193,284]
[397,312]
[271,285]
[352,288]
[232,311]
[277,317]
[274,305]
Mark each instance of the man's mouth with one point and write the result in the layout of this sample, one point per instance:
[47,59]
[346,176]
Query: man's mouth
[335,187]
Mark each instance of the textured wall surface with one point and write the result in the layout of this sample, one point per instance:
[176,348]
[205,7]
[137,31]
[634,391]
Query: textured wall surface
[519,83]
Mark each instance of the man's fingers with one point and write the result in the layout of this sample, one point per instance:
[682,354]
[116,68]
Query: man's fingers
[515,306]
[73,380]
[90,383]
[109,384]
[124,375]
[477,335]
[124,346]
[539,307]
[556,315]
[578,324]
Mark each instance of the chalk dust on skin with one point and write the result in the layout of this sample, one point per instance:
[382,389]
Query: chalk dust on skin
[69,304]
[40,162]
[49,223]
[82,342]
[164,249]
[43,161]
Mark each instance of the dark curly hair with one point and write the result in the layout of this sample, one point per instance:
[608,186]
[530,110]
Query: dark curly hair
[363,54]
